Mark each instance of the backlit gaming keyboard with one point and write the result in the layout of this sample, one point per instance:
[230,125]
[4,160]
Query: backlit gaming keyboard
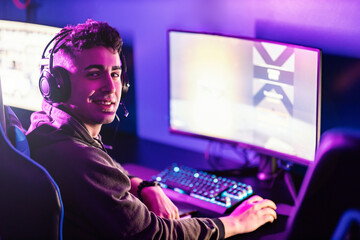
[202,189]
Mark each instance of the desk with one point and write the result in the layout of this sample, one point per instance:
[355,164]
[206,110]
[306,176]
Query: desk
[145,158]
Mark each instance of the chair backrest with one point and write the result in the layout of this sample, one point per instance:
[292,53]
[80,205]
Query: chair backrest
[30,201]
[349,225]
[330,187]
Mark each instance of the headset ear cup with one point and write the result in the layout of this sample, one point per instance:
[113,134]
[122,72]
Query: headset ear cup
[125,85]
[44,84]
[124,77]
[63,87]
[55,85]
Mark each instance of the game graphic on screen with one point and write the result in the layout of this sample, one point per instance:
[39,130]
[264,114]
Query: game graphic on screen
[21,47]
[248,91]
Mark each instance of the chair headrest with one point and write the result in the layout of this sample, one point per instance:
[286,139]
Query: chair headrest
[16,132]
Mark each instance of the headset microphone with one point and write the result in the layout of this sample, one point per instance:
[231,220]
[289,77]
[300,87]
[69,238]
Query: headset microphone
[126,112]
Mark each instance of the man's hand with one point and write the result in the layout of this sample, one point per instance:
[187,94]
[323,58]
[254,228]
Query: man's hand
[156,200]
[249,216]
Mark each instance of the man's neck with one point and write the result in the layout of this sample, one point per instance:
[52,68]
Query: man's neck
[94,129]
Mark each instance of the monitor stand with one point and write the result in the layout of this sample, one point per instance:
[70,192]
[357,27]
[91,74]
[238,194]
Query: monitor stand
[267,168]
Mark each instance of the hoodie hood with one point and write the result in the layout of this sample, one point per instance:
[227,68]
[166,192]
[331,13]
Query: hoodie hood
[57,119]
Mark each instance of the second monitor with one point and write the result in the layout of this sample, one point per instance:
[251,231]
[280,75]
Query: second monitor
[255,93]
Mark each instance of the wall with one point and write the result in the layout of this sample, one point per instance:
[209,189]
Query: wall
[327,24]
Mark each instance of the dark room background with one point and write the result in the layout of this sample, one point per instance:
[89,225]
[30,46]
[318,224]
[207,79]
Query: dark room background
[331,25]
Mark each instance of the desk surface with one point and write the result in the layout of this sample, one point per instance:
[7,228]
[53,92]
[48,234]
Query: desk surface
[145,158]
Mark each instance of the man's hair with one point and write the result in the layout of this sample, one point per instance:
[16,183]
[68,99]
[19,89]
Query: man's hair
[88,35]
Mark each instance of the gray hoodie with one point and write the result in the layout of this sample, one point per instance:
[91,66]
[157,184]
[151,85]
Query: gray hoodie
[95,188]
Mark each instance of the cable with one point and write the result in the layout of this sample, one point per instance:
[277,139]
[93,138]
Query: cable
[215,153]
[21,5]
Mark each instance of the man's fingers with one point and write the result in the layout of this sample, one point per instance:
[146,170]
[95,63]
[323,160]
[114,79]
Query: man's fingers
[254,199]
[170,214]
[268,212]
[266,203]
[269,218]
[177,216]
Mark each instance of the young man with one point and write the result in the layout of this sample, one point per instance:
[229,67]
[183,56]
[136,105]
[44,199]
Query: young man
[100,199]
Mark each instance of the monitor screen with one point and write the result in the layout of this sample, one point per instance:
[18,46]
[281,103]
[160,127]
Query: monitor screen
[258,94]
[21,47]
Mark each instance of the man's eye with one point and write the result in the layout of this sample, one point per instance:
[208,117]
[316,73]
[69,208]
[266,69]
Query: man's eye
[115,75]
[93,74]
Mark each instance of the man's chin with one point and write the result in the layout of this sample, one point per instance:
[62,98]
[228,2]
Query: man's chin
[109,119]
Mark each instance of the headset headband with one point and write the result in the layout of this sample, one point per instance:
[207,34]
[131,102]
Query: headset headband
[62,35]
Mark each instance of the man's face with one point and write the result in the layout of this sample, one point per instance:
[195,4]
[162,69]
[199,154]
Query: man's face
[95,86]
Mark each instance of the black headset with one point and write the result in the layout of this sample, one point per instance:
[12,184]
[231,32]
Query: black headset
[54,82]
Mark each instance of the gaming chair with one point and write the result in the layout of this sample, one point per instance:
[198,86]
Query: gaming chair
[30,201]
[330,188]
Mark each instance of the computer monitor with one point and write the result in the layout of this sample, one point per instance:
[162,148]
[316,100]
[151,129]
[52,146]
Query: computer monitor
[254,93]
[21,47]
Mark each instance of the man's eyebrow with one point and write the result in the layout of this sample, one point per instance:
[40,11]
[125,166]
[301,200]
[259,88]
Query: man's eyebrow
[116,67]
[101,67]
[97,66]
